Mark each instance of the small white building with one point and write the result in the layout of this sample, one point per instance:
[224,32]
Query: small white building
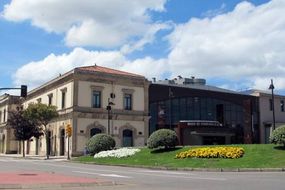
[266,112]
[81,97]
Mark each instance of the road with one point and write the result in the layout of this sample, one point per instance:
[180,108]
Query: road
[143,179]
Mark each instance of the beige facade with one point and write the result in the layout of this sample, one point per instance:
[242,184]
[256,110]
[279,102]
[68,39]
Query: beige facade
[8,143]
[266,113]
[73,95]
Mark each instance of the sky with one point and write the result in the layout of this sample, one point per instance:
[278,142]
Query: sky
[233,44]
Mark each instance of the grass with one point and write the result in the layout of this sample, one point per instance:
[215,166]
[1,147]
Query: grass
[256,156]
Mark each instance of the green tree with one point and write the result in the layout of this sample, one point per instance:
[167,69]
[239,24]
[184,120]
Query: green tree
[42,114]
[24,128]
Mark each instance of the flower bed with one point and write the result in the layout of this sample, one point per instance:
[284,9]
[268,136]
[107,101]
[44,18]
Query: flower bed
[119,153]
[212,152]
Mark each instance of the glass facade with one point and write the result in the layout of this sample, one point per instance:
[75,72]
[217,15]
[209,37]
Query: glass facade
[194,108]
[236,115]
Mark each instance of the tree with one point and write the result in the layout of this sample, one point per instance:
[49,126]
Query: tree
[42,114]
[24,128]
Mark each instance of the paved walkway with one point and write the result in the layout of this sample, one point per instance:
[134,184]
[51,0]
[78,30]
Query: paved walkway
[24,180]
[35,157]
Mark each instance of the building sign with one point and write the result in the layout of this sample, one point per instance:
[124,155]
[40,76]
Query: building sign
[202,123]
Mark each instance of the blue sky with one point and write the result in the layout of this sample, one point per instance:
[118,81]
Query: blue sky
[233,44]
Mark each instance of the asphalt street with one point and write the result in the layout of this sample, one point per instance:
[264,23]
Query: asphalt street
[137,178]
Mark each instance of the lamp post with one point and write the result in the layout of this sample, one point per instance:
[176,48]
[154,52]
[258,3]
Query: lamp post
[271,87]
[109,108]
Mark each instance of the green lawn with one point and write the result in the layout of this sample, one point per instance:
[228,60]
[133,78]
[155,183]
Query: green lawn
[256,156]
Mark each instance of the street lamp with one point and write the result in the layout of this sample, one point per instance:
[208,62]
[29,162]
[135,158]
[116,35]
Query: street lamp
[109,108]
[271,87]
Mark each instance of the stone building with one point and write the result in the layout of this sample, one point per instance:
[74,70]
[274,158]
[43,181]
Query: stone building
[8,143]
[81,97]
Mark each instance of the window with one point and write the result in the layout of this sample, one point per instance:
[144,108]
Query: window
[63,93]
[128,102]
[4,115]
[50,99]
[270,104]
[39,100]
[282,105]
[96,99]
[0,117]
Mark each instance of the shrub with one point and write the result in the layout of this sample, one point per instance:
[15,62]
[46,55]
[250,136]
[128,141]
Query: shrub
[100,142]
[162,138]
[212,152]
[278,136]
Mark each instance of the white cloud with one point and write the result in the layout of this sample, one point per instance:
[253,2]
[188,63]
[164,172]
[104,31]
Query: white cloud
[245,44]
[53,65]
[108,23]
[148,37]
[215,12]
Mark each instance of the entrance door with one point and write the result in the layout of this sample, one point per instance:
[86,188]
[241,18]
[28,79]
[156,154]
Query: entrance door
[127,138]
[28,147]
[37,146]
[49,143]
[62,142]
[267,132]
[2,142]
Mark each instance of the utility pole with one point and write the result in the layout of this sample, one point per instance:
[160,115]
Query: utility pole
[109,108]
[68,134]
[271,87]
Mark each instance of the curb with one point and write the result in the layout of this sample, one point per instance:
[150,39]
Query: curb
[40,186]
[193,169]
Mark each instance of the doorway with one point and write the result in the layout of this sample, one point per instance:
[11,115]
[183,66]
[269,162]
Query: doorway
[127,138]
[62,142]
[95,131]
[49,142]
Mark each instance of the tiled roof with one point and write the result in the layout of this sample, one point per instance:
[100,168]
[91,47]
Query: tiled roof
[101,69]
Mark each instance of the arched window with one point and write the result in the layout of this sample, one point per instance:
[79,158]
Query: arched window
[95,131]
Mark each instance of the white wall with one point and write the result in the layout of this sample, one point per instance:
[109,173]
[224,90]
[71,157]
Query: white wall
[57,96]
[85,95]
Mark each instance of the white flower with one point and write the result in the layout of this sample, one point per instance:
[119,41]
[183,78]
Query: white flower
[119,153]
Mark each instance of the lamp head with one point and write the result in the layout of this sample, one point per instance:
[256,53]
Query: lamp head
[271,87]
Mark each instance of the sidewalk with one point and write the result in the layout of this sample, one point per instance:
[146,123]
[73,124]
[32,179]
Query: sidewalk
[34,157]
[38,180]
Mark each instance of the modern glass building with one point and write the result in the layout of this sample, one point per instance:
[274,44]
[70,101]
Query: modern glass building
[203,114]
